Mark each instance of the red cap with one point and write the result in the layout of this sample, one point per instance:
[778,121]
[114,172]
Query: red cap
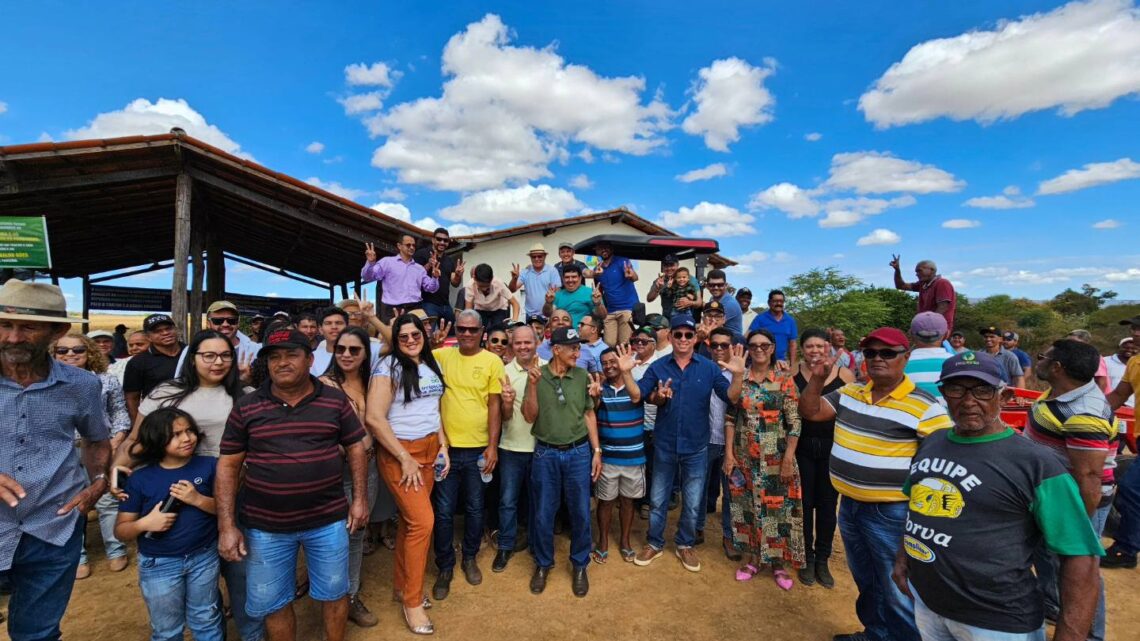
[888,335]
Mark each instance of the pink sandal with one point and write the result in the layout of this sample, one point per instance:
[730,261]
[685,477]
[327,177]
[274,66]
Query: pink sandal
[783,579]
[747,572]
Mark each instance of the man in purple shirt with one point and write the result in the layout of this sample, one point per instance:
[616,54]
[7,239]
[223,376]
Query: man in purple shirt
[402,277]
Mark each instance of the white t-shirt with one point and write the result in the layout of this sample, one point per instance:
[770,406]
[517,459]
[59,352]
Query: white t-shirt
[209,407]
[1116,372]
[420,417]
[322,357]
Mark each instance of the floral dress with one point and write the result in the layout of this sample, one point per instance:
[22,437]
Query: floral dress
[767,514]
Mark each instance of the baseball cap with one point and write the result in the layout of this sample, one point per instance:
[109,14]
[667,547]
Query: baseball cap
[219,305]
[281,314]
[657,321]
[536,318]
[100,333]
[928,325]
[957,332]
[565,245]
[670,259]
[515,324]
[743,291]
[714,306]
[682,320]
[256,317]
[422,315]
[348,302]
[1009,336]
[284,339]
[990,330]
[888,335]
[1135,320]
[150,323]
[977,365]
[648,332]
[1120,344]
[566,336]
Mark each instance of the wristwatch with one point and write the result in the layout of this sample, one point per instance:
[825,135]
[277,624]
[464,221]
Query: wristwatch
[597,450]
[97,477]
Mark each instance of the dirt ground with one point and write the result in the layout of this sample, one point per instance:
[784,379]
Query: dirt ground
[662,601]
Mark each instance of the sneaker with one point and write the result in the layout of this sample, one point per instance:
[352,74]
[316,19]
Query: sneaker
[689,559]
[359,613]
[1115,558]
[647,555]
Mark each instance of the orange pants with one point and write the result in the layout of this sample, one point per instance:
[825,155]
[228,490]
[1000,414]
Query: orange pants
[413,537]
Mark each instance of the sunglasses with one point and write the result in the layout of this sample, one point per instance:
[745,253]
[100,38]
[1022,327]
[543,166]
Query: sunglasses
[353,350]
[980,392]
[218,321]
[558,388]
[210,357]
[642,342]
[763,347]
[496,341]
[720,345]
[413,337]
[885,353]
[459,329]
[442,239]
[63,351]
[684,335]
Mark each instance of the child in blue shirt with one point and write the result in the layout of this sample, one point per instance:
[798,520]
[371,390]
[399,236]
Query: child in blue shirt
[178,556]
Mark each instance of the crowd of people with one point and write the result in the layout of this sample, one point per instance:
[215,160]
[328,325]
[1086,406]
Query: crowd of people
[222,458]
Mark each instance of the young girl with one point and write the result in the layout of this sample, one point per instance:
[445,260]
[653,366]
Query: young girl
[177,557]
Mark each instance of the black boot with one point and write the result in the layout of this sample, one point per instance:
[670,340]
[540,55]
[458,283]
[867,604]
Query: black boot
[502,557]
[823,575]
[807,572]
[538,580]
[581,583]
[442,585]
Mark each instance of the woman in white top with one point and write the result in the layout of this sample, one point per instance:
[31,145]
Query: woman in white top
[403,416]
[79,351]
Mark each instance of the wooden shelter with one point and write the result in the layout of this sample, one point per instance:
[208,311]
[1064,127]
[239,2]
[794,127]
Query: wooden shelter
[142,203]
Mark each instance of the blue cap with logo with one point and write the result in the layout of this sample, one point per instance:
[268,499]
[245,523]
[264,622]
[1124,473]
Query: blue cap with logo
[682,320]
[977,365]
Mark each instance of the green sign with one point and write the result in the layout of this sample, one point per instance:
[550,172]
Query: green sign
[24,242]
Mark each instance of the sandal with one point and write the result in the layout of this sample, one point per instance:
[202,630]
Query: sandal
[746,572]
[628,555]
[783,579]
[599,556]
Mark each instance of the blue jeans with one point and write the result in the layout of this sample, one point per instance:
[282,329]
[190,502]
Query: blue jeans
[692,470]
[513,470]
[1048,568]
[356,539]
[1128,504]
[41,578]
[464,474]
[716,480]
[442,312]
[108,509]
[871,534]
[553,474]
[249,628]
[272,566]
[182,591]
[935,627]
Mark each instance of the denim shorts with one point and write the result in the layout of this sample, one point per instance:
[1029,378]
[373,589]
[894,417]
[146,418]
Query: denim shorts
[272,566]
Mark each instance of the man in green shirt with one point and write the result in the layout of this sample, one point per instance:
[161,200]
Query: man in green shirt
[567,455]
[573,297]
[980,499]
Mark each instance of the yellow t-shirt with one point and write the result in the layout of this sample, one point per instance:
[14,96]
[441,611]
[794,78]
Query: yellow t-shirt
[1132,374]
[470,381]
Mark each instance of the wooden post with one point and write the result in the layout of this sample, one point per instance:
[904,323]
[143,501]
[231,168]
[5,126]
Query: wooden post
[343,291]
[197,247]
[356,287]
[215,267]
[86,303]
[332,294]
[178,301]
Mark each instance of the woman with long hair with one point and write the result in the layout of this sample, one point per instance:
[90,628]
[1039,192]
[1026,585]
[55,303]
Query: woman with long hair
[761,432]
[403,415]
[349,372]
[813,454]
[77,350]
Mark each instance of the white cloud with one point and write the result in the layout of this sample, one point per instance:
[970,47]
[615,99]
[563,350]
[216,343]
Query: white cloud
[814,136]
[1129,274]
[841,218]
[730,94]
[788,198]
[1107,223]
[377,74]
[507,111]
[961,223]
[3,106]
[1080,56]
[754,256]
[526,204]
[1008,199]
[272,295]
[715,170]
[315,147]
[879,172]
[581,181]
[710,219]
[879,237]
[395,210]
[333,161]
[1091,175]
[362,103]
[841,212]
[587,156]
[143,117]
[393,193]
[455,229]
[337,188]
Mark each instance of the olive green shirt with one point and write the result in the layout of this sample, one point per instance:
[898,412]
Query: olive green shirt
[562,419]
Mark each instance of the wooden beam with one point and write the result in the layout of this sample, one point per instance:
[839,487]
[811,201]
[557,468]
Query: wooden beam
[89,180]
[182,217]
[343,291]
[279,272]
[153,267]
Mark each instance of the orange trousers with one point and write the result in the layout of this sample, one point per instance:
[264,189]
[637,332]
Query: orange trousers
[413,536]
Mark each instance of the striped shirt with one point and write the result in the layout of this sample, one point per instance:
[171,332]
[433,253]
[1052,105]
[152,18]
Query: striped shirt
[620,428]
[1080,419]
[924,367]
[293,465]
[874,442]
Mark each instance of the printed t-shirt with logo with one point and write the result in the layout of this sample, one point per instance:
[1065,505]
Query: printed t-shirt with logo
[978,508]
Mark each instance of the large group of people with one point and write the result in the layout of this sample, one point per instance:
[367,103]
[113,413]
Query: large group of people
[523,413]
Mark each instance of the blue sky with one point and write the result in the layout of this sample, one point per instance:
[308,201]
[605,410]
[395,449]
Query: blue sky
[998,138]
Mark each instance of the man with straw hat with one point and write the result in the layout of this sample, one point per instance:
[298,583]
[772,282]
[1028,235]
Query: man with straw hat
[44,492]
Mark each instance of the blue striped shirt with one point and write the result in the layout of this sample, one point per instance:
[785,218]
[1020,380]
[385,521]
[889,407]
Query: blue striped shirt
[620,427]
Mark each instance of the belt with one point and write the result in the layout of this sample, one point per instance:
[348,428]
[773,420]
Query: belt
[566,446]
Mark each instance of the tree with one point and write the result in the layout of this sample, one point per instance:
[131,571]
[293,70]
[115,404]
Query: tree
[1086,301]
[818,288]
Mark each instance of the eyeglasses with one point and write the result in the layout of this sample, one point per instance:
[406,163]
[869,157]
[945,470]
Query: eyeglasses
[353,350]
[763,347]
[413,337]
[685,336]
[583,323]
[720,345]
[641,341]
[407,245]
[63,351]
[885,354]
[496,341]
[210,357]
[356,314]
[980,392]
[218,321]
[459,329]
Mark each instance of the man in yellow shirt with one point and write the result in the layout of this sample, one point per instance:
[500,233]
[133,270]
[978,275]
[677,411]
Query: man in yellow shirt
[471,414]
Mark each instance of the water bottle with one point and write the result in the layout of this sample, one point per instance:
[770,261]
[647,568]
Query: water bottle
[440,464]
[482,465]
[736,479]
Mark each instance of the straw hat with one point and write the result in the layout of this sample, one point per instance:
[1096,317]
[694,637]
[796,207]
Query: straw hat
[37,302]
[537,248]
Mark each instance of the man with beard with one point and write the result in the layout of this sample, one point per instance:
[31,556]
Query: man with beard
[47,484]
